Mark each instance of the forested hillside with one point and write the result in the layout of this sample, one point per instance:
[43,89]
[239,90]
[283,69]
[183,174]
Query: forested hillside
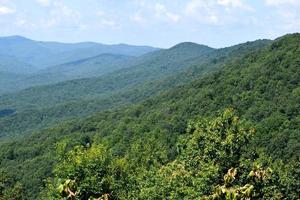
[38,107]
[229,134]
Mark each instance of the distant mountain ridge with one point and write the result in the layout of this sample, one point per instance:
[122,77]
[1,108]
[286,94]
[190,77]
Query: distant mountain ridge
[100,64]
[34,59]
[151,66]
[44,54]
[40,63]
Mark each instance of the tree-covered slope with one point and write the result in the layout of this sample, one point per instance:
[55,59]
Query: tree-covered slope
[140,140]
[39,107]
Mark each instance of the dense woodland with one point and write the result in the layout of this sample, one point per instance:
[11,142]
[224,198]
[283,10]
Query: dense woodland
[215,124]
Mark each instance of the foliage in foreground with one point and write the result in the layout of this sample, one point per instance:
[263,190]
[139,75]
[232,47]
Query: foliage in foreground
[211,164]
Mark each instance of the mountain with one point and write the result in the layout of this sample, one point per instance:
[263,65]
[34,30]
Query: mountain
[12,70]
[7,81]
[90,49]
[12,65]
[152,66]
[159,148]
[39,107]
[84,68]
[35,60]
[45,54]
[22,49]
[78,61]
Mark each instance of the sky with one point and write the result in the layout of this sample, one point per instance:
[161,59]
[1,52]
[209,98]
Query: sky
[159,23]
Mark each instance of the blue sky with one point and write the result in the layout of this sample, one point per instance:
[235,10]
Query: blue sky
[160,23]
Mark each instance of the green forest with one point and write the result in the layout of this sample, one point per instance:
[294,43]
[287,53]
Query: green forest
[189,122]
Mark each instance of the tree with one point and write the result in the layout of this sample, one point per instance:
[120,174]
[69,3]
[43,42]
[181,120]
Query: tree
[210,148]
[86,173]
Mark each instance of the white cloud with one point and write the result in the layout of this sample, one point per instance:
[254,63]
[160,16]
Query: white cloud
[49,23]
[60,14]
[99,13]
[203,10]
[61,10]
[83,26]
[234,4]
[162,12]
[20,22]
[6,10]
[57,14]
[4,1]
[108,22]
[58,9]
[194,5]
[45,3]
[149,14]
[281,2]
[23,22]
[216,12]
[291,20]
[137,17]
[159,8]
[173,17]
[286,14]
[104,23]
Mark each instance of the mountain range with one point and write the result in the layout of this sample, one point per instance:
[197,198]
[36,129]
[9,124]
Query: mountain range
[36,63]
[186,122]
[149,75]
